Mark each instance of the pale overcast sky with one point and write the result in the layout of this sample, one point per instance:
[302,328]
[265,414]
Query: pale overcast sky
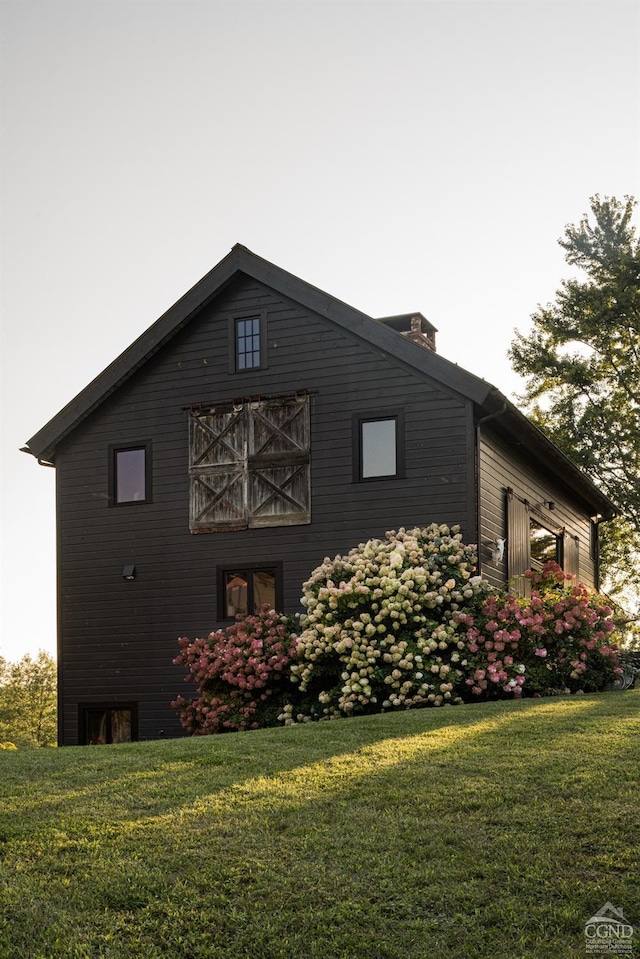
[399,155]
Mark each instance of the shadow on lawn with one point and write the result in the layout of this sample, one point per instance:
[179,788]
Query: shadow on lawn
[218,770]
[463,740]
[434,824]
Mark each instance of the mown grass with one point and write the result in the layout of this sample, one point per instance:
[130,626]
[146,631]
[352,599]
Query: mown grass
[479,831]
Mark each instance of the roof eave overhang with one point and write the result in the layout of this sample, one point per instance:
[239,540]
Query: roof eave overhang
[45,442]
[240,260]
[523,433]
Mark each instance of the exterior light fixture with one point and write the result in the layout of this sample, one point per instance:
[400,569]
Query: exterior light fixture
[129,572]
[547,503]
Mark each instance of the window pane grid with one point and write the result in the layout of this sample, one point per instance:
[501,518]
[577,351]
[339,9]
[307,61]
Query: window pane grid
[248,343]
[246,590]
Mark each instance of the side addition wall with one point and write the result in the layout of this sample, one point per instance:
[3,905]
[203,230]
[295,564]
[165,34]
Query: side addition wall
[502,468]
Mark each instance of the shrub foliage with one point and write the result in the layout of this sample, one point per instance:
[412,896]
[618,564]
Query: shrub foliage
[400,623]
[380,630]
[562,636]
[238,671]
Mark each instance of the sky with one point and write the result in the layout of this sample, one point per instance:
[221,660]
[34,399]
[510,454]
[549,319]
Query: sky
[422,155]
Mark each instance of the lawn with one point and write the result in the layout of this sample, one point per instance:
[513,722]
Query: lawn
[490,830]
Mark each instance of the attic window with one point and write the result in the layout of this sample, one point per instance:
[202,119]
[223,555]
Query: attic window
[248,343]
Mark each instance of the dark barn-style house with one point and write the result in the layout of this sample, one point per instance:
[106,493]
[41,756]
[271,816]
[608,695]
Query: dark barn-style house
[258,426]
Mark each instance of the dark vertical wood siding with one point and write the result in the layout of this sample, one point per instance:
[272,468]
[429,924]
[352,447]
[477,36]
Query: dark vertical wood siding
[119,637]
[503,467]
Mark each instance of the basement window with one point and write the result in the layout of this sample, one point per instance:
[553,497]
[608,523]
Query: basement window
[102,725]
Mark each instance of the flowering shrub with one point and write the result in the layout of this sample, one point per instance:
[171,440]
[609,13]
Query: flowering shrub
[570,628]
[556,641]
[400,623]
[241,672]
[494,661]
[380,630]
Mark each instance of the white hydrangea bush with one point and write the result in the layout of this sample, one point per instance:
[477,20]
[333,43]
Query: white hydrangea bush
[384,625]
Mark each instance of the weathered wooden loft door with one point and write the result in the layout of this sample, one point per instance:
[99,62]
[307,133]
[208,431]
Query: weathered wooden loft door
[217,468]
[249,465]
[278,465]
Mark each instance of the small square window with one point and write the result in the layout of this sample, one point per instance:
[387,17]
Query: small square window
[130,474]
[244,591]
[379,451]
[248,347]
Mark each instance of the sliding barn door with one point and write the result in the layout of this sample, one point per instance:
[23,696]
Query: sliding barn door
[249,465]
[278,467]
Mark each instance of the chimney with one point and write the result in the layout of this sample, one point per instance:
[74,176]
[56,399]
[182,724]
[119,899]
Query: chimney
[415,327]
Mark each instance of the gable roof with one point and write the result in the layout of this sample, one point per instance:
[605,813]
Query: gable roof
[241,261]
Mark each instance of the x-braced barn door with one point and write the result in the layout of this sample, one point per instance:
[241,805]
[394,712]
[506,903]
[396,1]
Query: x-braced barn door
[217,468]
[278,468]
[249,465]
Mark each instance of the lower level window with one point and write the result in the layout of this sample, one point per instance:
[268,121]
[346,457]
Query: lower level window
[101,725]
[244,591]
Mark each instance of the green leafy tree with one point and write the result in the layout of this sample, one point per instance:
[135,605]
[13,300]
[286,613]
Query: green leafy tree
[28,701]
[581,362]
